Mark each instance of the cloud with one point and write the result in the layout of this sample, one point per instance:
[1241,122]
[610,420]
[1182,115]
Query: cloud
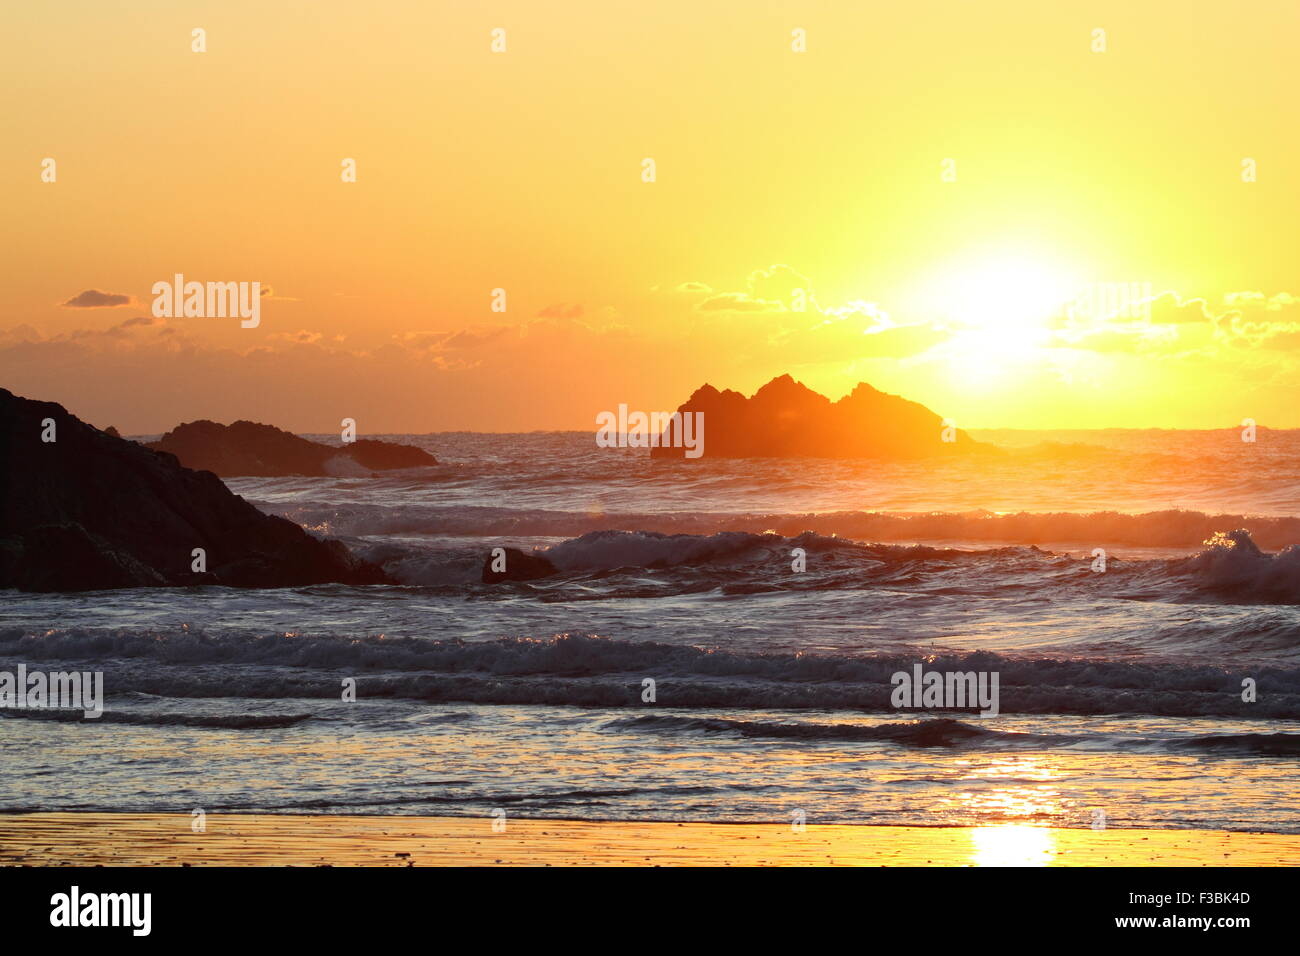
[780,283]
[858,331]
[877,317]
[738,302]
[94,299]
[1259,321]
[1168,308]
[301,337]
[1127,338]
[778,288]
[1258,299]
[1173,327]
[460,339]
[140,333]
[561,311]
[146,376]
[561,366]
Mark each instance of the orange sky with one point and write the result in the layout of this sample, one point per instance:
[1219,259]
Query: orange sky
[776,171]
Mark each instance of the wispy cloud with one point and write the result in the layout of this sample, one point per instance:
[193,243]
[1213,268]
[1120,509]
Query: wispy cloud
[94,299]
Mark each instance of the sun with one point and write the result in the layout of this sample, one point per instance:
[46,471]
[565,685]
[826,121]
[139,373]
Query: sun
[1006,293]
[998,305]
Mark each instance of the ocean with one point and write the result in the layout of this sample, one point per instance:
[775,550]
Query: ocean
[1127,588]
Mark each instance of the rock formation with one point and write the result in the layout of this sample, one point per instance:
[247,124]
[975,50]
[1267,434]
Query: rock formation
[87,510]
[252,449]
[786,419]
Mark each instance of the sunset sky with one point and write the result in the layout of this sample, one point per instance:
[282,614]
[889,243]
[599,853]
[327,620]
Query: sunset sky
[775,171]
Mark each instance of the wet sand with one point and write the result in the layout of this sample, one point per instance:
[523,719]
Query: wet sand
[155,839]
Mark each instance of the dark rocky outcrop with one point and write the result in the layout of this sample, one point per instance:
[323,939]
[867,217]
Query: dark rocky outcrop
[520,566]
[384,455]
[90,511]
[786,419]
[249,448]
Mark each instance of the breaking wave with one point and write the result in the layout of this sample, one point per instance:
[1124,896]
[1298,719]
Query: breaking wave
[591,671]
[208,721]
[946,732]
[1230,567]
[1172,529]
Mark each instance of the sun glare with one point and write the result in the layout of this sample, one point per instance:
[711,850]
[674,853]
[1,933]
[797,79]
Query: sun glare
[999,305]
[1014,845]
[1004,293]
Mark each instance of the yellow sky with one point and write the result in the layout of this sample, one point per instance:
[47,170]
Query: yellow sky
[1075,171]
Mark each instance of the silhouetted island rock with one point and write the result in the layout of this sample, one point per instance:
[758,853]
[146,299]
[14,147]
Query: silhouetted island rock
[87,511]
[786,419]
[252,449]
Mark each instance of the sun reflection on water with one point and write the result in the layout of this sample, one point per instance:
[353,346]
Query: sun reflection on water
[1013,845]
[1018,794]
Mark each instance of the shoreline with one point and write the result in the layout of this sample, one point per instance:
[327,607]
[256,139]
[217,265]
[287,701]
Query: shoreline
[237,839]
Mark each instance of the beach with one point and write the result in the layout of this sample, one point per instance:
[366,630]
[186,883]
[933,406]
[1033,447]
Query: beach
[452,437]
[155,839]
[716,665]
